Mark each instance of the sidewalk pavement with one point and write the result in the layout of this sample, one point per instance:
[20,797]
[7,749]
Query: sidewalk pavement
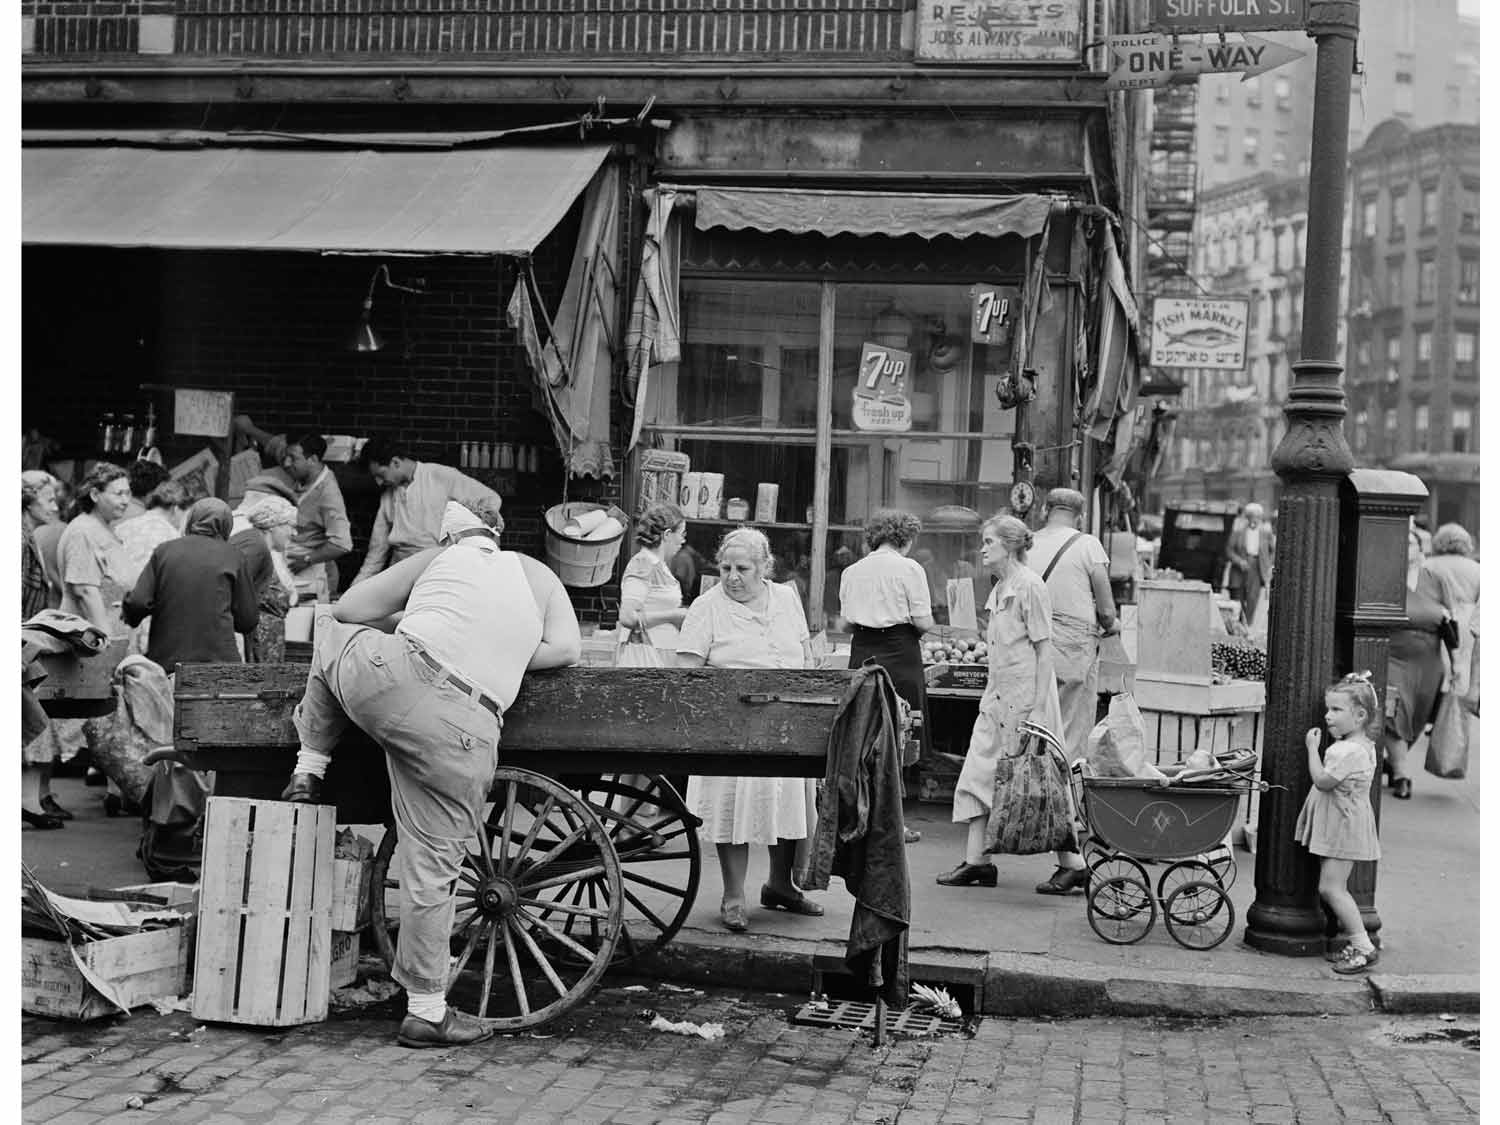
[1028,954]
[1014,952]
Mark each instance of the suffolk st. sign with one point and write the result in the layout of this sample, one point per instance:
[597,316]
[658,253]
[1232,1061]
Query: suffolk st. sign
[1193,16]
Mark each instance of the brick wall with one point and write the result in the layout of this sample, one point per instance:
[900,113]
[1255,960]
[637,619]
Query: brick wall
[490,28]
[271,327]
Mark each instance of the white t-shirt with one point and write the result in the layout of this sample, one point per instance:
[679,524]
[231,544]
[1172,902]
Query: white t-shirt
[473,610]
[1069,587]
[882,589]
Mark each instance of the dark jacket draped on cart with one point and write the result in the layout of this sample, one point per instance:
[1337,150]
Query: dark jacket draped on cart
[860,833]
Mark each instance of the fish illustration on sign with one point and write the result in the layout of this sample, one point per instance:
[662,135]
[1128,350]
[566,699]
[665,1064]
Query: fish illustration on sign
[1202,338]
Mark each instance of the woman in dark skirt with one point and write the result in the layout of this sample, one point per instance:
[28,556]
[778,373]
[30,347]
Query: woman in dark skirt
[884,599]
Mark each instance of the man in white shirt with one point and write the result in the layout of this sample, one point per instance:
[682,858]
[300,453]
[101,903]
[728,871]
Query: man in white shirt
[322,523]
[1075,567]
[411,506]
[1251,550]
[425,658]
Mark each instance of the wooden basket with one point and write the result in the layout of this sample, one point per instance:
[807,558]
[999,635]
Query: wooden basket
[582,562]
[265,913]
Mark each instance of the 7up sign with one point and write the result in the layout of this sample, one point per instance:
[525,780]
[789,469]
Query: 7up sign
[882,401]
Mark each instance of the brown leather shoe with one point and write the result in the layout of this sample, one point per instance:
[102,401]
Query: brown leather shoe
[970,875]
[1064,880]
[457,1029]
[304,788]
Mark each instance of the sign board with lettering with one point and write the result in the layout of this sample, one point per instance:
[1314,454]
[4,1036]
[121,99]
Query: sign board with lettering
[202,413]
[882,394]
[991,314]
[1199,332]
[1000,31]
[1154,59]
[1189,16]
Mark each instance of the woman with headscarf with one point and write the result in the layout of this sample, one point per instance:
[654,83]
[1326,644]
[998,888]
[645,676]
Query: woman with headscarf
[263,527]
[198,592]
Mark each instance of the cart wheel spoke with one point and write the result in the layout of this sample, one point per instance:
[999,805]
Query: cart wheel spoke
[551,906]
[587,955]
[539,957]
[489,972]
[517,982]
[463,958]
[505,826]
[645,911]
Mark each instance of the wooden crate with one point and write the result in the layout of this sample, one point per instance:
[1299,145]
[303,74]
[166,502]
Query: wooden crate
[343,958]
[264,920]
[351,893]
[100,978]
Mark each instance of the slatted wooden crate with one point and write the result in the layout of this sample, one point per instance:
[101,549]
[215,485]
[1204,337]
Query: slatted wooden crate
[265,913]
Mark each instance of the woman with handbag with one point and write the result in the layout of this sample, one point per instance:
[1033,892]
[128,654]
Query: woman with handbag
[650,597]
[1414,672]
[1021,687]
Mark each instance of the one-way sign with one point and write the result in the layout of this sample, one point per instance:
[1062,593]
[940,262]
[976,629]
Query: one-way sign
[1156,60]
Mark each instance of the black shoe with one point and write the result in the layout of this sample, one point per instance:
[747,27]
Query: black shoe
[1401,788]
[970,875]
[40,820]
[93,778]
[52,808]
[305,789]
[457,1029]
[1064,880]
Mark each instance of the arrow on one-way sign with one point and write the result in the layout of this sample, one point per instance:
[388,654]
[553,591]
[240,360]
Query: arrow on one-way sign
[1155,60]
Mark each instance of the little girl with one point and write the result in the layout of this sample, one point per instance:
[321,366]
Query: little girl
[1337,822]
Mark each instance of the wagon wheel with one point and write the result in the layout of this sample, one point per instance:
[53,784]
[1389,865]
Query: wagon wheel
[1121,909]
[656,839]
[538,847]
[1199,915]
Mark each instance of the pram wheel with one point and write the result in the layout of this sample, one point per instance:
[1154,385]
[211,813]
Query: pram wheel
[1198,914]
[1107,865]
[1188,871]
[1121,908]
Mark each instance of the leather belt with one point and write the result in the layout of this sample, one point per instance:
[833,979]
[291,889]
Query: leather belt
[490,705]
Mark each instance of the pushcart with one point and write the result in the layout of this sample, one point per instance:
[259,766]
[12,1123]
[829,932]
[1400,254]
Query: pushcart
[1183,822]
[588,855]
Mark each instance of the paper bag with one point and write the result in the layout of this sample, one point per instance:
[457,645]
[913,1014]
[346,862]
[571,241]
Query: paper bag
[961,604]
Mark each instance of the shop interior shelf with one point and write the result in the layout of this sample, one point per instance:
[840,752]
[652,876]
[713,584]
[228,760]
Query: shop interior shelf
[774,526]
[993,486]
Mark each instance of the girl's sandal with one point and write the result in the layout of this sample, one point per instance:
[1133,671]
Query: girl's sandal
[1356,961]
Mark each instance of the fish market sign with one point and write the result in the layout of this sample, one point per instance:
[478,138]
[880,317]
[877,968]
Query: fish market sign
[1000,31]
[1199,332]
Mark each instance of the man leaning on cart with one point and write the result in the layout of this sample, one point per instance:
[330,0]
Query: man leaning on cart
[425,658]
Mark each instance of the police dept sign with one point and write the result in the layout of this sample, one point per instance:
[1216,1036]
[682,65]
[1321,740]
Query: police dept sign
[1000,31]
[1199,332]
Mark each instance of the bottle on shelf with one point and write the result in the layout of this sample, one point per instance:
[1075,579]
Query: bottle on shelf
[484,455]
[463,455]
[507,457]
[127,434]
[107,435]
[148,440]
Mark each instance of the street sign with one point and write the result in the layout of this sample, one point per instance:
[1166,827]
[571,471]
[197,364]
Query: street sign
[1199,332]
[1193,16]
[1155,60]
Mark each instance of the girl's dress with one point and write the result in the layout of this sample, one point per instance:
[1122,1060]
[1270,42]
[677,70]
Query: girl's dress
[1020,617]
[1339,823]
[648,577]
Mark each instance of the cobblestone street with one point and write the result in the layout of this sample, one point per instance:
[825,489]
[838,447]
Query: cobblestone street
[605,1064]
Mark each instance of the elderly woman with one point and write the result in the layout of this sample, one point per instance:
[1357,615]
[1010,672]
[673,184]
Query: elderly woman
[747,621]
[198,592]
[1021,686]
[263,527]
[1414,669]
[38,508]
[650,596]
[166,512]
[884,598]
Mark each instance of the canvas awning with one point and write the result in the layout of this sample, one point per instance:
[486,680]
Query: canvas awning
[870,212]
[468,201]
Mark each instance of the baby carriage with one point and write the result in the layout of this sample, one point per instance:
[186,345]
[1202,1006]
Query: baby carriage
[1184,820]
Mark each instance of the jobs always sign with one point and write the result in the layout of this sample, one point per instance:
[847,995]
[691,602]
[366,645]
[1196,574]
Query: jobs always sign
[1199,332]
[979,31]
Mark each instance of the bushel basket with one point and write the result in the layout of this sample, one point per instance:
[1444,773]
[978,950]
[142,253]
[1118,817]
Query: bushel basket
[582,562]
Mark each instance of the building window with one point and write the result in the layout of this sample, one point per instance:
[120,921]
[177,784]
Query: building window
[1252,92]
[1463,426]
[1421,417]
[1393,359]
[1468,281]
[1395,282]
[1284,94]
[1424,350]
[1285,247]
[1361,430]
[1427,280]
[1363,360]
[1429,207]
[1222,95]
[1369,209]
[1251,146]
[1465,353]
[1221,144]
[1468,215]
[1402,101]
[1398,214]
[1390,431]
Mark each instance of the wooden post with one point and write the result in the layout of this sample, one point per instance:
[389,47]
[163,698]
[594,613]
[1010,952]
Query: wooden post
[822,459]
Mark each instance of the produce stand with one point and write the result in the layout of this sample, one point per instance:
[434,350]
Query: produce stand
[588,855]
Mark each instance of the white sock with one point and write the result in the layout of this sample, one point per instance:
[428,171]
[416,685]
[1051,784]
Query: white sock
[430,1006]
[314,762]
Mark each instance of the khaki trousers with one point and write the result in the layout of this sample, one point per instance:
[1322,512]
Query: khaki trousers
[440,749]
[1075,663]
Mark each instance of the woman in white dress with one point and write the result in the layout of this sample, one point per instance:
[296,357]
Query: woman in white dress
[650,597]
[747,621]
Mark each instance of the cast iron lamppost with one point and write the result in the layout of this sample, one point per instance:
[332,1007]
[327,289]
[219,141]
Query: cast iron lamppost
[1312,460]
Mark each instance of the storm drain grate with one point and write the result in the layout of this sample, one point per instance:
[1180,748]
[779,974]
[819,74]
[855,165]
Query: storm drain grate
[860,1016]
